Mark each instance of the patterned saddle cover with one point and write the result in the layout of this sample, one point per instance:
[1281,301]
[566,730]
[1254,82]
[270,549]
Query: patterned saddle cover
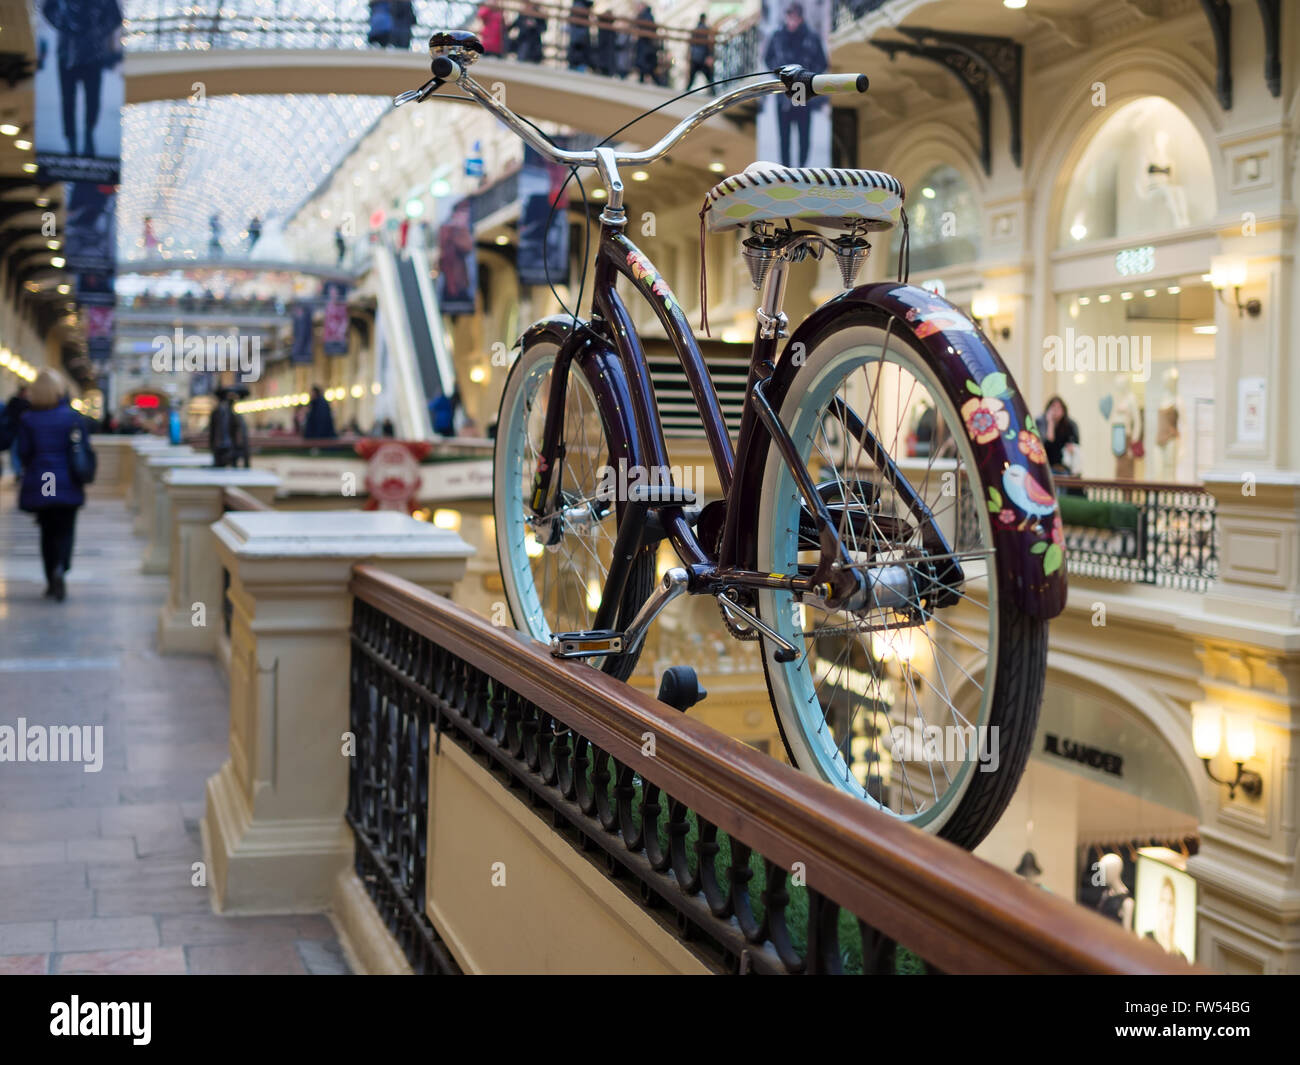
[817,196]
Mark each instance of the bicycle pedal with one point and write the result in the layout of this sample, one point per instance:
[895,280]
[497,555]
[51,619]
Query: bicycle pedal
[590,644]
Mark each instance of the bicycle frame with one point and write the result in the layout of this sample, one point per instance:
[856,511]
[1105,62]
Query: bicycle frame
[631,389]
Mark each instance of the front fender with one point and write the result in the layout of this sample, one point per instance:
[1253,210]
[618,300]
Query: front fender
[1030,563]
[603,370]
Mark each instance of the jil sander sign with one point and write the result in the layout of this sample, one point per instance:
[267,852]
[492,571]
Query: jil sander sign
[1093,757]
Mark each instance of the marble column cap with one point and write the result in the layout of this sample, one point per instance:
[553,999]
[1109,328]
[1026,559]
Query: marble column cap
[197,476]
[355,534]
[193,459]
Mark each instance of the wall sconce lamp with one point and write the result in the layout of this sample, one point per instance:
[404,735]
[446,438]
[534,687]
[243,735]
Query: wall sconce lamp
[984,308]
[1230,272]
[1207,739]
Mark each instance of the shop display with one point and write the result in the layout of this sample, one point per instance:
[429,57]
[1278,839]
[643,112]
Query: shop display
[1116,901]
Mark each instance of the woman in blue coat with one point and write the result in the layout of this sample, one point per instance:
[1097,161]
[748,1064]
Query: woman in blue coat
[49,490]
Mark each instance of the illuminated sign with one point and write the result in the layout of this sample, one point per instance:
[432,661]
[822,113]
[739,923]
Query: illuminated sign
[1132,261]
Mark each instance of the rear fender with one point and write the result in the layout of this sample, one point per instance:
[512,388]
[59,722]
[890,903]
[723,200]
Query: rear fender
[1030,562]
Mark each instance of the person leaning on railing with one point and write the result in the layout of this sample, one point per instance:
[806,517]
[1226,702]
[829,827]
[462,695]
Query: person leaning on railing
[492,30]
[526,35]
[700,54]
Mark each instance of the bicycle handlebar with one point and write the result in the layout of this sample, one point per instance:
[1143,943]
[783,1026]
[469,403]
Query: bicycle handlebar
[452,69]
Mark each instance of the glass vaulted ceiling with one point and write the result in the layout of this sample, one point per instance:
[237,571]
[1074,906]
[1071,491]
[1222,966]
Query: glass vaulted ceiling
[241,156]
[233,156]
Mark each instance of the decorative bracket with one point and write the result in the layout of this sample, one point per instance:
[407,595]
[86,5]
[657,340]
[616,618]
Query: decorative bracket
[1271,12]
[1219,12]
[977,61]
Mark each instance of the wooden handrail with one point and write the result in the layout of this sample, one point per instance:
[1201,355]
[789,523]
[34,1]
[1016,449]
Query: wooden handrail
[954,910]
[238,499]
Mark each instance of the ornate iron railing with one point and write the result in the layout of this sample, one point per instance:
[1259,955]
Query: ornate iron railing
[757,867]
[1141,532]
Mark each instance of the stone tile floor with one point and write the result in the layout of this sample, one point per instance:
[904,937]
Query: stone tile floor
[97,868]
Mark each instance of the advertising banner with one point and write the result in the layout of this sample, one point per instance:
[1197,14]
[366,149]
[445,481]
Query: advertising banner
[1165,907]
[334,329]
[457,262]
[795,133]
[79,90]
[303,334]
[96,301]
[90,228]
[543,255]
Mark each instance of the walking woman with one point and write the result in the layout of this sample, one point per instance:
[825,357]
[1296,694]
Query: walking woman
[47,436]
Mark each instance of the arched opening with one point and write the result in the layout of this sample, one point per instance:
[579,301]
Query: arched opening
[943,221]
[1145,171]
[1102,778]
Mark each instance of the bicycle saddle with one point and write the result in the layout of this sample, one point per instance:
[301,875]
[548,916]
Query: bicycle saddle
[765,192]
[454,40]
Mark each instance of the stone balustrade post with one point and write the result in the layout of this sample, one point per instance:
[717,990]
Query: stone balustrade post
[139,446]
[191,621]
[155,508]
[273,832]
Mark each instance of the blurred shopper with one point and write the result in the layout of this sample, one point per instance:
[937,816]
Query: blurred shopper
[10,418]
[606,60]
[492,30]
[227,431]
[526,35]
[1060,437]
[340,244]
[381,23]
[319,423]
[254,233]
[700,54]
[214,235]
[58,461]
[647,45]
[580,50]
[403,22]
[150,237]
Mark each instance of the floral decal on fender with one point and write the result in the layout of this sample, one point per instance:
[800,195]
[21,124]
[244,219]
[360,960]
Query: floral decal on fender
[643,271]
[1032,561]
[987,417]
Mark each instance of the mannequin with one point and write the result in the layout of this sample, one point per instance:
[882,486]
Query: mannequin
[1116,902]
[1155,179]
[1168,417]
[1125,428]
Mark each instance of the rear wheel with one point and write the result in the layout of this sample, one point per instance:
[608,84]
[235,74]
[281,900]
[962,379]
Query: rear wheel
[553,567]
[925,703]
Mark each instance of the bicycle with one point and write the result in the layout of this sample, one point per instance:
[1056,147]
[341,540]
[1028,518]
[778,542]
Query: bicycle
[901,607]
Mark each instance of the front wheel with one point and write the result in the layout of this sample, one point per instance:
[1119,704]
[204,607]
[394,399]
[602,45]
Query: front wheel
[553,566]
[924,703]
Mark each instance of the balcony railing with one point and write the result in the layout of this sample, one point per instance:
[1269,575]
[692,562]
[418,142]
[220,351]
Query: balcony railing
[1140,532]
[756,867]
[198,30]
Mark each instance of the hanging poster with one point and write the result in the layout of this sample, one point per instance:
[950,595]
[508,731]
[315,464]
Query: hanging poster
[1165,907]
[96,302]
[792,132]
[300,352]
[543,254]
[89,229]
[334,328]
[457,262]
[79,90]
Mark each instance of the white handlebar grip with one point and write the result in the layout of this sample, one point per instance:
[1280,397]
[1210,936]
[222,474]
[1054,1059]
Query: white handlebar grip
[827,84]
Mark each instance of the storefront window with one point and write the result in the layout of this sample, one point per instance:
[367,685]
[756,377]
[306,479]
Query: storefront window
[1146,171]
[1135,368]
[943,220]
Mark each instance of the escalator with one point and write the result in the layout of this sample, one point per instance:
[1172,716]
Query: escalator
[418,362]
